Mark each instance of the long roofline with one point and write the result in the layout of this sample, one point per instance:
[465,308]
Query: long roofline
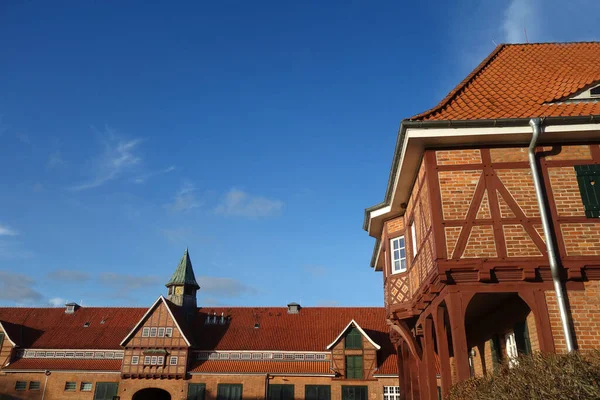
[453,124]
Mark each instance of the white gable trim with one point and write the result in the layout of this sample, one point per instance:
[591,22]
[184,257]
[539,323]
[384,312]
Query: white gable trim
[6,335]
[136,327]
[353,322]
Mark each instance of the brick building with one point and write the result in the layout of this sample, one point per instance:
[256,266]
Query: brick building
[473,256]
[175,350]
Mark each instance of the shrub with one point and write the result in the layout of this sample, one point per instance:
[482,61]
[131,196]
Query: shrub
[537,377]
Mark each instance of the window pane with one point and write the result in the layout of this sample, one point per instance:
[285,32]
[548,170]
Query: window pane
[86,386]
[402,241]
[21,385]
[402,253]
[34,385]
[403,265]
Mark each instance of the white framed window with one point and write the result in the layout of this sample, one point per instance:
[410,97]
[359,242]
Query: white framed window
[512,352]
[413,239]
[89,354]
[299,356]
[278,356]
[320,356]
[145,332]
[154,360]
[153,332]
[79,354]
[223,356]
[169,332]
[161,332]
[257,356]
[173,360]
[391,393]
[161,360]
[109,354]
[246,356]
[70,386]
[86,386]
[135,360]
[99,355]
[69,354]
[398,253]
[234,356]
[289,356]
[147,360]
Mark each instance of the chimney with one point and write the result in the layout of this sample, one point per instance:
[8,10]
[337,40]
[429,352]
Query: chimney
[70,308]
[293,308]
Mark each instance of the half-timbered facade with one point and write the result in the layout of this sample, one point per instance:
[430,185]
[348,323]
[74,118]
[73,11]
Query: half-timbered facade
[460,236]
[175,350]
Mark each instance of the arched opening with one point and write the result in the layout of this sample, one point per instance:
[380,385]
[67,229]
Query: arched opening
[152,394]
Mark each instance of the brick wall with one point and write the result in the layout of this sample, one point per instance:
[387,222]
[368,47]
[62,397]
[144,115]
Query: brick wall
[585,310]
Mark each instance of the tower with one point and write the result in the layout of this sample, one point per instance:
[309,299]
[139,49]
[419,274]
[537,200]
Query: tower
[183,286]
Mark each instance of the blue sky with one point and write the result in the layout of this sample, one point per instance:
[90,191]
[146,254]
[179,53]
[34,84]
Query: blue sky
[255,133]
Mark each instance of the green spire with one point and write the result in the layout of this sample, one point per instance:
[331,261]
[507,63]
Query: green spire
[184,274]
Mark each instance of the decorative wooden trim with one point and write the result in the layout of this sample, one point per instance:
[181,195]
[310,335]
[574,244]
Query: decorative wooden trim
[488,173]
[435,204]
[457,303]
[465,233]
[441,336]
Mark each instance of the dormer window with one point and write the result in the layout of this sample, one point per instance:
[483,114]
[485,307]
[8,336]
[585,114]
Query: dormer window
[595,92]
[398,254]
[592,93]
[353,339]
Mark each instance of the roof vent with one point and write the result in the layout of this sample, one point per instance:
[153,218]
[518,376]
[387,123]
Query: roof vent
[85,325]
[256,325]
[293,308]
[70,308]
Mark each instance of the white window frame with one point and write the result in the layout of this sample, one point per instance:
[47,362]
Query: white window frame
[161,332]
[400,261]
[146,332]
[413,239]
[173,360]
[169,332]
[161,360]
[154,360]
[86,386]
[512,352]
[147,360]
[135,360]
[153,332]
[391,393]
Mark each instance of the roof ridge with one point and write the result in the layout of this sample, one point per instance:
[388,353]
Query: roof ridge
[461,86]
[553,43]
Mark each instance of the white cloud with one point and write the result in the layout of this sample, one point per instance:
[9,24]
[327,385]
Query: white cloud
[224,287]
[55,160]
[143,178]
[239,203]
[68,275]
[118,156]
[57,302]
[185,199]
[521,15]
[7,231]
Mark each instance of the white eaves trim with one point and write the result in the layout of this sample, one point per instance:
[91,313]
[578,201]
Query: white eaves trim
[353,322]
[164,301]
[6,335]
[416,140]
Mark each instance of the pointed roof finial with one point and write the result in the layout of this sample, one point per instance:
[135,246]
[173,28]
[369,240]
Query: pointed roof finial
[184,274]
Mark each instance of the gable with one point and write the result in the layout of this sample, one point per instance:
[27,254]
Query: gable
[157,328]
[348,328]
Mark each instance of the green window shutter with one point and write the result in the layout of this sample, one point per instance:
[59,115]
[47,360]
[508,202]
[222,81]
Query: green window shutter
[353,339]
[588,179]
[522,338]
[354,367]
[106,390]
[496,352]
[354,393]
[317,392]
[229,392]
[196,391]
[281,392]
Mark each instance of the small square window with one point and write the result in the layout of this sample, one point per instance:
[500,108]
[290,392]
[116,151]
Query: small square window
[34,385]
[257,356]
[234,356]
[86,386]
[109,354]
[224,356]
[79,354]
[173,360]
[246,356]
[59,354]
[153,332]
[398,254]
[145,332]
[135,360]
[161,360]
[169,332]
[289,357]
[99,355]
[69,354]
[21,385]
[70,386]
[153,360]
[147,360]
[89,354]
[161,332]
[278,356]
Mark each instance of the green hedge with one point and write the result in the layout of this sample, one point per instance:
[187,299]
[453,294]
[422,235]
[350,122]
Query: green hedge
[537,377]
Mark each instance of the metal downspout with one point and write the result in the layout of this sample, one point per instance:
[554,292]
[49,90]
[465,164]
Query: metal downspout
[552,257]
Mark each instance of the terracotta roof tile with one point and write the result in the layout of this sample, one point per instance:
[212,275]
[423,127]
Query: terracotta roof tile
[524,81]
[69,364]
[273,367]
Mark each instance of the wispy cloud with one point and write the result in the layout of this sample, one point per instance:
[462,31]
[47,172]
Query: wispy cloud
[239,203]
[140,179]
[18,288]
[118,156]
[224,287]
[7,231]
[185,199]
[120,281]
[67,275]
[521,15]
[57,302]
[55,160]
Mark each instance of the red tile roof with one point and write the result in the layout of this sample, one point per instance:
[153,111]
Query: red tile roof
[68,364]
[51,328]
[272,367]
[524,81]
